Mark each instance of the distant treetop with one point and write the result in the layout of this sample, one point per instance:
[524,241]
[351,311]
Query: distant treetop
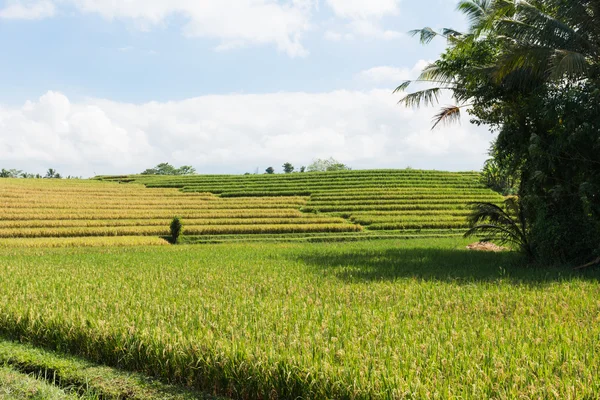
[330,164]
[168,169]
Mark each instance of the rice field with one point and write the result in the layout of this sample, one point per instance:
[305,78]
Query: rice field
[350,285]
[392,319]
[349,205]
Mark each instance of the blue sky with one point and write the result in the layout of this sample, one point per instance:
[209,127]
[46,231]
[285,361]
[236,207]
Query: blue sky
[98,86]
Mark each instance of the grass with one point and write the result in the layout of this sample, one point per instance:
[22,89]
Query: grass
[34,373]
[17,386]
[382,319]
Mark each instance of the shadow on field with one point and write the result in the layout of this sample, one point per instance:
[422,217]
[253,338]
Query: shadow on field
[459,266]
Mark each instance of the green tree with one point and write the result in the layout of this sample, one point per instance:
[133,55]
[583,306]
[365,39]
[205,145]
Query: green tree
[270,170]
[10,173]
[52,174]
[288,168]
[322,165]
[531,72]
[168,169]
[186,170]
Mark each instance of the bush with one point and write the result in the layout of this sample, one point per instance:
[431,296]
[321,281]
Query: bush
[176,230]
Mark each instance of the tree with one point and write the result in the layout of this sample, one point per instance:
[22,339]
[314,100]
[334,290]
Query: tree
[168,169]
[302,168]
[288,168]
[506,225]
[52,174]
[186,170]
[10,173]
[531,72]
[322,165]
[270,170]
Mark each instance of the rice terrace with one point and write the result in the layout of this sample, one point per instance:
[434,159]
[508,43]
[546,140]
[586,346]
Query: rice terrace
[311,229]
[350,284]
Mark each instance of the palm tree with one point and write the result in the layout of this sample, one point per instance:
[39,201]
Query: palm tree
[51,173]
[555,39]
[501,225]
[547,40]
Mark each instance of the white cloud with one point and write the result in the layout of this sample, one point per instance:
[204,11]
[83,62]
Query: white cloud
[232,133]
[234,22]
[337,36]
[360,9]
[30,10]
[363,19]
[391,75]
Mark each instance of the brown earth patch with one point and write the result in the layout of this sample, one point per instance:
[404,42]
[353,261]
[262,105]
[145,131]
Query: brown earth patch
[486,246]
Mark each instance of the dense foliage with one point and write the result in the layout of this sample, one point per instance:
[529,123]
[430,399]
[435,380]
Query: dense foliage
[176,229]
[168,169]
[531,72]
[330,164]
[288,168]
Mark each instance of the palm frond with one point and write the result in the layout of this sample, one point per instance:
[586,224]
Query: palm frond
[475,10]
[434,73]
[426,35]
[403,86]
[534,59]
[448,33]
[447,115]
[426,97]
[567,63]
[504,225]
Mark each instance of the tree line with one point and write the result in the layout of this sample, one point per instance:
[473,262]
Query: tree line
[17,173]
[318,165]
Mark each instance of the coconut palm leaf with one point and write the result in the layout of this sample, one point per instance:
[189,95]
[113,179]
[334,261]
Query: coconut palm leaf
[447,115]
[503,225]
[426,35]
[567,63]
[434,73]
[424,97]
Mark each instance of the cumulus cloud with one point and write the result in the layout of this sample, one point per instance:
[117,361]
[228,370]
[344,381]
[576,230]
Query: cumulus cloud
[391,75]
[30,10]
[360,9]
[232,133]
[363,19]
[234,22]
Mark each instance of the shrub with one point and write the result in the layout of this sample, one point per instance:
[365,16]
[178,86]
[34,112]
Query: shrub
[176,229]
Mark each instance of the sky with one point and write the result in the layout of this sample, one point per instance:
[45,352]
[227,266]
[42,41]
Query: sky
[96,87]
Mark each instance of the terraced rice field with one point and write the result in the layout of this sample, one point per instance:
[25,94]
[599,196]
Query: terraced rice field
[335,206]
[383,203]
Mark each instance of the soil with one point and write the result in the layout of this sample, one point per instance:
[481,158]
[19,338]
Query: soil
[486,246]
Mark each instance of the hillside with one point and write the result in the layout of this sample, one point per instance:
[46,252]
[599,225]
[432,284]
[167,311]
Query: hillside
[311,206]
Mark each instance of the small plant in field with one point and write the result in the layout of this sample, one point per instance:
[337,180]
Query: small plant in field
[502,225]
[176,230]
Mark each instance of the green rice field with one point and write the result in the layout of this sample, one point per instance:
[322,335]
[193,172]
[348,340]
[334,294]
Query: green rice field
[350,285]
[388,319]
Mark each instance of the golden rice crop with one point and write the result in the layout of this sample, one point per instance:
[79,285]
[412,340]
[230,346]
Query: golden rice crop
[82,242]
[41,214]
[164,230]
[308,219]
